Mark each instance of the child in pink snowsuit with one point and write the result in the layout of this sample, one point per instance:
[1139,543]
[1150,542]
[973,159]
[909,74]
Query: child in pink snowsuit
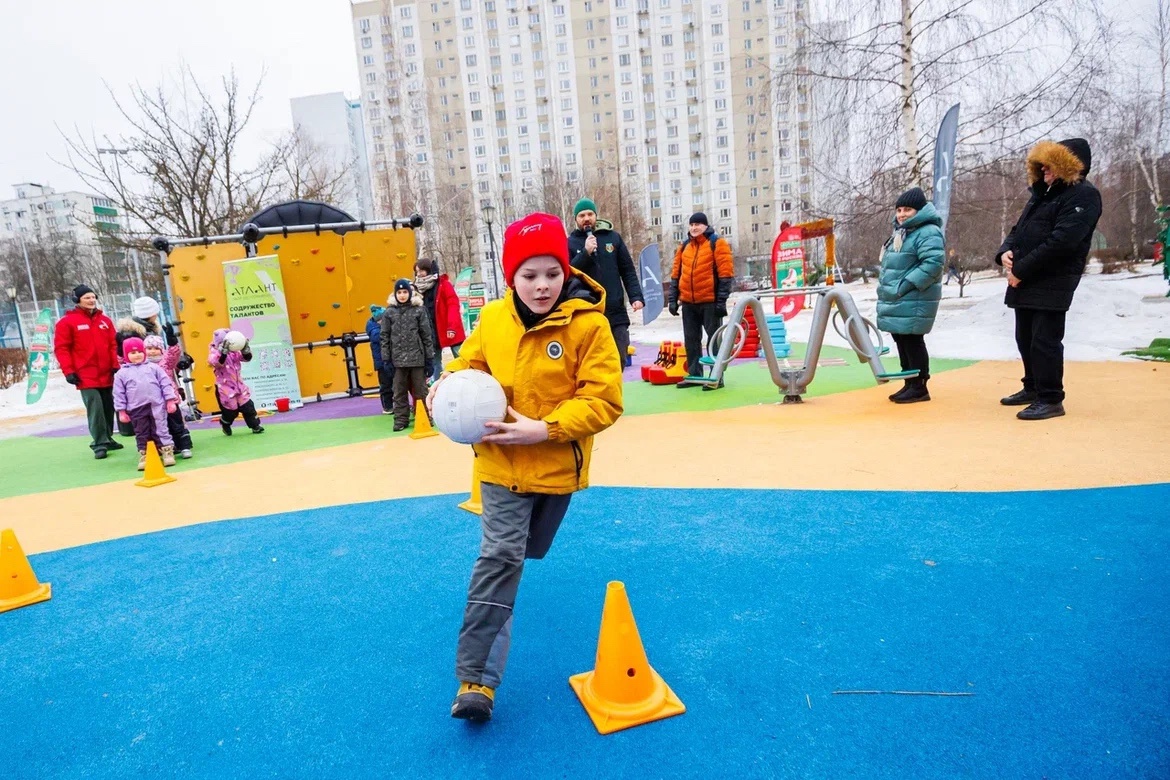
[231,392]
[167,358]
[143,395]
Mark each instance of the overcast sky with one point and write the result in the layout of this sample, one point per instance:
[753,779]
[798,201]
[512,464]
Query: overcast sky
[55,56]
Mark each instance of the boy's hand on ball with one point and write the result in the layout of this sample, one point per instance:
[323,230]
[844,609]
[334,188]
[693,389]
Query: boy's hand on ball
[524,430]
[434,387]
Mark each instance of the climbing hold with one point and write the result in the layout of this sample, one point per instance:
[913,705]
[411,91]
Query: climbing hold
[385,241]
[304,315]
[328,384]
[295,261]
[401,255]
[329,268]
[314,250]
[337,305]
[355,256]
[200,256]
[201,298]
[321,323]
[275,246]
[360,308]
[194,334]
[207,387]
[185,277]
[211,312]
[332,353]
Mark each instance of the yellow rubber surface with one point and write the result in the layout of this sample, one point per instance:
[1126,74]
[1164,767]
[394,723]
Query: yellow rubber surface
[1117,432]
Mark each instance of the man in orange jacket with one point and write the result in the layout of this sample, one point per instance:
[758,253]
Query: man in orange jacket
[700,281]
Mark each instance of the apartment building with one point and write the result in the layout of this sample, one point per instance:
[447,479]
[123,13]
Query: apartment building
[668,106]
[333,125]
[39,212]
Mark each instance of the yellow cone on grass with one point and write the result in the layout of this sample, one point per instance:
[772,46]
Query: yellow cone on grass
[18,585]
[622,691]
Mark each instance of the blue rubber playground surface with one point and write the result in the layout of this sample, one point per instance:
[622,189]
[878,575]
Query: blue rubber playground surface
[321,643]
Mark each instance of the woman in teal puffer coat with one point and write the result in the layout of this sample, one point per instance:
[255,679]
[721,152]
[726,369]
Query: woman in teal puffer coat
[910,287]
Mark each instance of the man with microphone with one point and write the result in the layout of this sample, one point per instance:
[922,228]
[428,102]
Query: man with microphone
[597,250]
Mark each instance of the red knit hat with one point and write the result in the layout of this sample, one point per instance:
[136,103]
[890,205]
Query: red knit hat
[536,235]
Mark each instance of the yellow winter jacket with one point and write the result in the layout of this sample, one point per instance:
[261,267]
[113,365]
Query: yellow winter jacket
[564,371]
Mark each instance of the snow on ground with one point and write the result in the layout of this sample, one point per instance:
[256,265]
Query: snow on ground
[60,396]
[1109,314]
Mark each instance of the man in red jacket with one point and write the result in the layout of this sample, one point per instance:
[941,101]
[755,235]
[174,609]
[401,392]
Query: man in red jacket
[87,351]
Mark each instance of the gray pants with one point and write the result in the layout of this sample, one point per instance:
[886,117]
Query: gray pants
[99,414]
[515,526]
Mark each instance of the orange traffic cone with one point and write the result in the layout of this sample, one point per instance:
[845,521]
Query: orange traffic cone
[622,691]
[474,504]
[18,584]
[422,422]
[155,473]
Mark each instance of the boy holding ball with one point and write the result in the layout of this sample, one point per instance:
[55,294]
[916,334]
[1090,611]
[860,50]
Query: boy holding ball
[549,345]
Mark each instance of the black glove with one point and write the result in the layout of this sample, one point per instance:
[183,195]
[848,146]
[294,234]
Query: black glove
[73,379]
[673,307]
[172,337]
[721,308]
[246,352]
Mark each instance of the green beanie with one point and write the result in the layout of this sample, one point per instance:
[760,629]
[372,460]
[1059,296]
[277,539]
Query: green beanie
[584,205]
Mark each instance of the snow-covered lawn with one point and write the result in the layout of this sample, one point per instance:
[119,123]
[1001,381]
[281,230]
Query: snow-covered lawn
[1109,314]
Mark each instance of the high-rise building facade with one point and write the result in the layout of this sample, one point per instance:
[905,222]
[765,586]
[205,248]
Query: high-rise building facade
[87,223]
[656,108]
[332,124]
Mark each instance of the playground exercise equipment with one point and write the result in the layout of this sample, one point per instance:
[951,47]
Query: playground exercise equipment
[331,273]
[834,306]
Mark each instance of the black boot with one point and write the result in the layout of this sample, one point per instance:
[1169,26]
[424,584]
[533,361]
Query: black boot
[1041,411]
[898,396]
[1022,398]
[915,392]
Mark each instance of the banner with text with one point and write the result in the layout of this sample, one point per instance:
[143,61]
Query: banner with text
[39,354]
[257,307]
[788,270]
[650,266]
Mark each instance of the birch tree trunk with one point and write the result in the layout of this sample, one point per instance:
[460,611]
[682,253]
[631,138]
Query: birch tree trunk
[909,124]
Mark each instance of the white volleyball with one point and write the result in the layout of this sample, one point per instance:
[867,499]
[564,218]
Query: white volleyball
[465,402]
[235,340]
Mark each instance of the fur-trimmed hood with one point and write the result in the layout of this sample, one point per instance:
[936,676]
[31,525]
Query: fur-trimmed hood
[131,327]
[1061,158]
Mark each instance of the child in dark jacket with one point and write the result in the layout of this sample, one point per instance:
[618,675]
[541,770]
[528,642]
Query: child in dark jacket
[407,344]
[143,397]
[167,358]
[384,370]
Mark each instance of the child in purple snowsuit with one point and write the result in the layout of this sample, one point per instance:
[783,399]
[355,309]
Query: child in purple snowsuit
[166,358]
[231,392]
[143,396]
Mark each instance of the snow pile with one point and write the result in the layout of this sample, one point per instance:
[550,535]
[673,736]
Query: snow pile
[60,396]
[1109,314]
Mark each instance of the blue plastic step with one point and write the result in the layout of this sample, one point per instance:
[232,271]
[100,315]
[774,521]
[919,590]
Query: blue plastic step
[707,361]
[899,374]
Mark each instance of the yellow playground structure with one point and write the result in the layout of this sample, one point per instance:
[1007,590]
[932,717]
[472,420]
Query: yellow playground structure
[331,274]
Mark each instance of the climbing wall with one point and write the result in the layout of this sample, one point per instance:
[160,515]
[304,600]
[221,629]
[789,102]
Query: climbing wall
[329,281]
[201,300]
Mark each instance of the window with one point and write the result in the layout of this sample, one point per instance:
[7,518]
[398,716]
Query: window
[477,115]
[367,43]
[471,60]
[667,40]
[364,25]
[407,29]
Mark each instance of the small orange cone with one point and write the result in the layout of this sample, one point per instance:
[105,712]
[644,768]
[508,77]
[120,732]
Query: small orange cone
[155,474]
[422,422]
[18,584]
[622,691]
[474,504]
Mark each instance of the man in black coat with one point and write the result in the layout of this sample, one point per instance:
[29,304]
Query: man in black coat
[597,250]
[1044,256]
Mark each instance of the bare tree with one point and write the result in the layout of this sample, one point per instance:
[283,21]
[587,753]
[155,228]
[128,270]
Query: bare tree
[181,169]
[58,261]
[307,172]
[1020,67]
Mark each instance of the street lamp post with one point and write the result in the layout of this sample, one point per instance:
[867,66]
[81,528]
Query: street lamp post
[27,266]
[16,312]
[489,216]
